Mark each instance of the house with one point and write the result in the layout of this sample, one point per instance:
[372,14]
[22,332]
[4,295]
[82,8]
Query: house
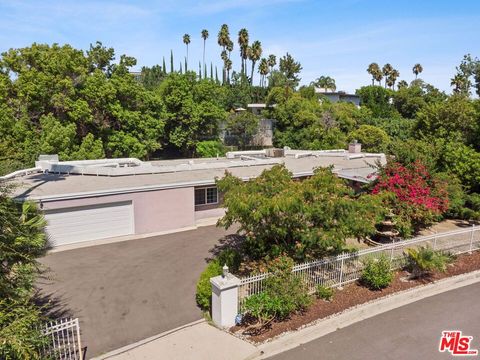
[339,96]
[92,200]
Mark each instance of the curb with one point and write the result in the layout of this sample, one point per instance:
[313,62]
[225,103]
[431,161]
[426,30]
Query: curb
[145,341]
[361,312]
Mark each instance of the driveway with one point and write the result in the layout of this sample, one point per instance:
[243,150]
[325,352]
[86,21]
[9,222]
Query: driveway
[127,291]
[409,332]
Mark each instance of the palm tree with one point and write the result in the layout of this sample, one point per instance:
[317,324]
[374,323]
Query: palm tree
[243,44]
[392,78]
[325,82]
[204,37]
[186,41]
[458,82]
[375,72]
[272,61]
[417,69]
[229,47]
[402,84]
[386,70]
[263,69]
[223,40]
[255,55]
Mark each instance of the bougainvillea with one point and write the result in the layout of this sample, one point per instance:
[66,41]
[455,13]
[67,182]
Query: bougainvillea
[418,198]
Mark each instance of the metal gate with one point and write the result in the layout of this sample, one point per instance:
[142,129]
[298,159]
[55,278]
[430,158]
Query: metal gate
[65,343]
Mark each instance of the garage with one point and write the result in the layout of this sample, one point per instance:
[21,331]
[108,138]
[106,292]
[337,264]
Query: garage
[92,222]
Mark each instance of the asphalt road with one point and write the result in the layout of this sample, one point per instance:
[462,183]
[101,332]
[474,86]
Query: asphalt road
[128,291]
[409,332]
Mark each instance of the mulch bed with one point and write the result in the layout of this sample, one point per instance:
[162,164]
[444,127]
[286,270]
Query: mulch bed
[355,294]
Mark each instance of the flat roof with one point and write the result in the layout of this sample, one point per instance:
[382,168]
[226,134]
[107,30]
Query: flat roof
[50,186]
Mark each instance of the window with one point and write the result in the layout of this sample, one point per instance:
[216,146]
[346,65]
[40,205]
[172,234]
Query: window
[206,196]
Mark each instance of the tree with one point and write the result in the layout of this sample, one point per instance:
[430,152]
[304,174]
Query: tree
[460,84]
[223,39]
[255,55]
[325,82]
[290,69]
[193,111]
[378,100]
[416,197]
[303,219]
[372,138]
[263,69]
[204,37]
[392,78]
[402,84]
[241,128]
[186,41]
[386,72]
[376,73]
[417,69]
[243,44]
[272,61]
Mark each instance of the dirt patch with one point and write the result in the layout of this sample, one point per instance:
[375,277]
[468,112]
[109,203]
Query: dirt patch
[354,294]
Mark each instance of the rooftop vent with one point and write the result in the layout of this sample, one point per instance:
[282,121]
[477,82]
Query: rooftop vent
[354,147]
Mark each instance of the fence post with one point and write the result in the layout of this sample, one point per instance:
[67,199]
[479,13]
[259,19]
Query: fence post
[435,241]
[341,272]
[471,239]
[224,299]
[391,253]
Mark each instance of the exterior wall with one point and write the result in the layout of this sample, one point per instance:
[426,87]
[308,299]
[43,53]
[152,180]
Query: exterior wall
[154,211]
[215,212]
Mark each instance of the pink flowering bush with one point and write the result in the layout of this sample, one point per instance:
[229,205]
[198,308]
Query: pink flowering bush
[415,197]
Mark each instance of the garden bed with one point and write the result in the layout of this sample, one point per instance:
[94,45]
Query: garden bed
[355,294]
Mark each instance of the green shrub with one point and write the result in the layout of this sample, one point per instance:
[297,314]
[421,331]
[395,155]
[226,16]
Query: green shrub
[377,274]
[204,288]
[324,293]
[283,293]
[424,260]
[210,148]
[231,257]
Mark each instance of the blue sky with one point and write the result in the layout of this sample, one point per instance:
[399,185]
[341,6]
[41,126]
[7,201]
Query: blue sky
[337,38]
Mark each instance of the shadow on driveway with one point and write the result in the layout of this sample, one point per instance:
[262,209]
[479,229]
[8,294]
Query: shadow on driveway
[128,291]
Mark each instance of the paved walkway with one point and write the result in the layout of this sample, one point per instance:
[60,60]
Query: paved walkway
[200,341]
[127,291]
[409,332]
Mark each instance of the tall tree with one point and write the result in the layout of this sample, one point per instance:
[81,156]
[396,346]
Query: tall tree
[204,37]
[325,82]
[417,69]
[272,61]
[459,83]
[263,70]
[386,71]
[254,56]
[290,69]
[376,73]
[171,62]
[164,67]
[392,78]
[243,44]
[186,41]
[223,39]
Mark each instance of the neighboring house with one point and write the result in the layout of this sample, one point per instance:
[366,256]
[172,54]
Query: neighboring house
[100,199]
[338,96]
[137,75]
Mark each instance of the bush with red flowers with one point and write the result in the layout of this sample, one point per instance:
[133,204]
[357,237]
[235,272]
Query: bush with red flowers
[415,197]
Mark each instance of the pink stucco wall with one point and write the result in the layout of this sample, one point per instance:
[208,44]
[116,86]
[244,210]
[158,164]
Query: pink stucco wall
[155,211]
[210,213]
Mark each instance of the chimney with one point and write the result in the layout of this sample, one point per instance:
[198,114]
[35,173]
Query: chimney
[354,147]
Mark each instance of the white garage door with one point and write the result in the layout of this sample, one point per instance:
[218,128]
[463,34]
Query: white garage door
[93,222]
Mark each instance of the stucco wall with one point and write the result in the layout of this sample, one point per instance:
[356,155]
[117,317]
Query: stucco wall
[154,211]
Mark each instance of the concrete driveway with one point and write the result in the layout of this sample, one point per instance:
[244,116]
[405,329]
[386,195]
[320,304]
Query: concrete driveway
[409,332]
[127,291]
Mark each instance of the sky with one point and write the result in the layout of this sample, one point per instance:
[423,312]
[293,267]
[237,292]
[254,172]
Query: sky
[338,38]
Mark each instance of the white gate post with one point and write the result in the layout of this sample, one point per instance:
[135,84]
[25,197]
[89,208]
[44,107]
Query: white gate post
[341,272]
[224,299]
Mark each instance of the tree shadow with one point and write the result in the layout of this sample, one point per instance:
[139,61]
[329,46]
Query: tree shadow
[231,241]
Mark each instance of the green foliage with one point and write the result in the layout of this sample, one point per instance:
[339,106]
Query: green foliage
[284,293]
[210,148]
[241,129]
[303,219]
[377,274]
[20,336]
[424,260]
[408,101]
[464,162]
[232,258]
[372,138]
[204,288]
[399,129]
[377,99]
[324,293]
